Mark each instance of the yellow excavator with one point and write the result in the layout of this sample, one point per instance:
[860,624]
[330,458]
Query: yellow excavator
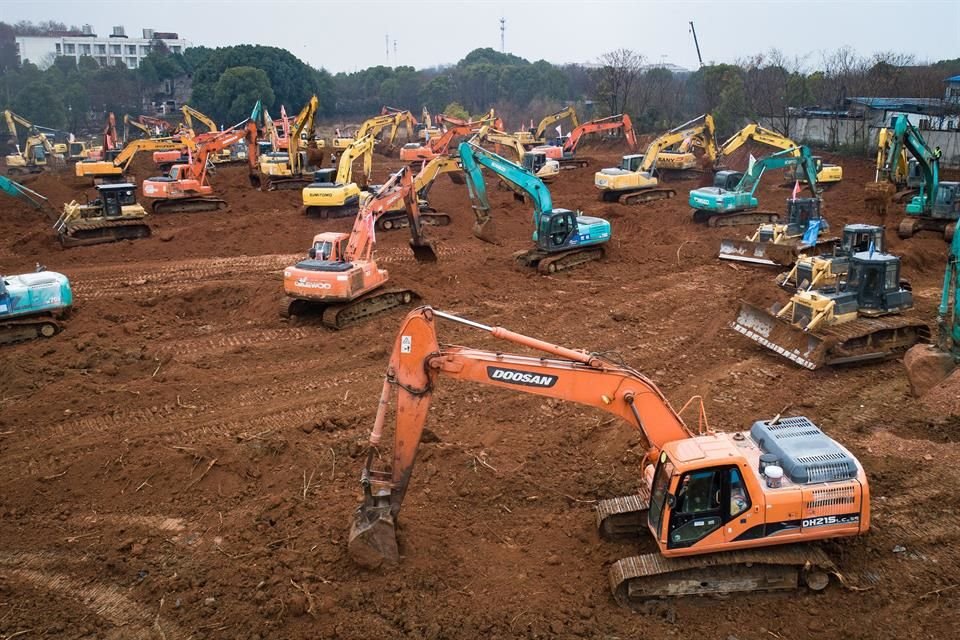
[635,181]
[425,129]
[680,159]
[286,170]
[827,174]
[374,126]
[38,152]
[534,161]
[898,177]
[395,216]
[533,137]
[113,170]
[335,194]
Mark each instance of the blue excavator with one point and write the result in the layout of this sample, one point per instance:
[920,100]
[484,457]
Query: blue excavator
[31,305]
[16,190]
[562,238]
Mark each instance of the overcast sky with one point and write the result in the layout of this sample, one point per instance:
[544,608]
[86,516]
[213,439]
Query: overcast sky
[346,36]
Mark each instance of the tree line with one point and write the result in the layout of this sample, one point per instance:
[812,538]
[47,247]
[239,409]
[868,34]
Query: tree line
[227,81]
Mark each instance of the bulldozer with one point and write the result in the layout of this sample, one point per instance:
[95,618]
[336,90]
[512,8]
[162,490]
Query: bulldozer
[726,512]
[865,317]
[815,271]
[114,215]
[779,244]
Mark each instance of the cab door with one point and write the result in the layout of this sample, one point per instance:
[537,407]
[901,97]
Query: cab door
[697,509]
[743,518]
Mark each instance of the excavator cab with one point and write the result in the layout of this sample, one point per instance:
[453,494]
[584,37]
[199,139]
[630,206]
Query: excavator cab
[557,229]
[329,247]
[727,179]
[533,161]
[631,162]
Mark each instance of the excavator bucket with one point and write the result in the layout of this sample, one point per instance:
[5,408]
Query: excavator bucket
[793,343]
[766,253]
[255,181]
[423,251]
[878,196]
[373,537]
[486,230]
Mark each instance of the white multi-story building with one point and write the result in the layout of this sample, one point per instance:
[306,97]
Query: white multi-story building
[108,51]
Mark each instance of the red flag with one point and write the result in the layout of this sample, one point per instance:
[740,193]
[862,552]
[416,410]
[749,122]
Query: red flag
[796,190]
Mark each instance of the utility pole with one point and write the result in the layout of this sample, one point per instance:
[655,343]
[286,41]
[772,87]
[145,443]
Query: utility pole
[697,44]
[386,40]
[503,30]
[395,53]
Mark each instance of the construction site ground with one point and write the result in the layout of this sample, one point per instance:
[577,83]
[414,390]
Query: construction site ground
[181,463]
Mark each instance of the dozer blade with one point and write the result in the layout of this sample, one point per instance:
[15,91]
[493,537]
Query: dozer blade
[486,231]
[423,251]
[373,537]
[766,253]
[793,343]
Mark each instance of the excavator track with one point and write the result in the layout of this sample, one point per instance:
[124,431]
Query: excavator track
[646,195]
[88,232]
[346,211]
[188,205]
[22,329]
[339,316]
[913,224]
[862,340]
[735,219]
[270,183]
[638,579]
[624,517]
[547,263]
[573,163]
[398,220]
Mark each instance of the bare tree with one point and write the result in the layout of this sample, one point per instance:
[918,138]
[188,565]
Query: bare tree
[616,80]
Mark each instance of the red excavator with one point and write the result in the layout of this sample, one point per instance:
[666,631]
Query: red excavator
[565,154]
[417,153]
[186,189]
[340,278]
[728,511]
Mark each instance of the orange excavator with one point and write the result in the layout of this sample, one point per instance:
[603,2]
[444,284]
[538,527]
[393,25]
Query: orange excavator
[416,152]
[186,189]
[341,279]
[728,511]
[565,154]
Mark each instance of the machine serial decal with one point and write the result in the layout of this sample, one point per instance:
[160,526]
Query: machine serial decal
[521,377]
[827,521]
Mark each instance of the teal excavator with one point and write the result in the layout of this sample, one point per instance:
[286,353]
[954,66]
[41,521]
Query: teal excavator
[563,238]
[937,206]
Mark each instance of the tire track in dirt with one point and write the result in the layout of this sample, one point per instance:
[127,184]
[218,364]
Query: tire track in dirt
[107,601]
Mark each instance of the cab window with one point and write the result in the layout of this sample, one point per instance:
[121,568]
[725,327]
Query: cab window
[699,492]
[323,250]
[739,498]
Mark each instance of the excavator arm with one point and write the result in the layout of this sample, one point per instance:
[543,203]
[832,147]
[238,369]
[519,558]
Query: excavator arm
[696,127]
[758,134]
[189,113]
[418,362]
[553,118]
[497,137]
[125,157]
[620,121]
[905,135]
[791,157]
[359,147]
[473,158]
[304,122]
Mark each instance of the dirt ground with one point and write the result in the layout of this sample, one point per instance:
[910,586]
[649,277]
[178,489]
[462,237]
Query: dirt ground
[180,463]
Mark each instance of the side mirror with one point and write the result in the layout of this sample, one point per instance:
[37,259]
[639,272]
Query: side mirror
[312,253]
[671,500]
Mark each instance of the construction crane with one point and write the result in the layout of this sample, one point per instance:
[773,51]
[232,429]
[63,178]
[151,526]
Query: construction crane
[113,216]
[186,189]
[395,215]
[565,154]
[827,174]
[864,317]
[636,180]
[535,136]
[37,152]
[341,279]
[696,42]
[288,170]
[334,194]
[562,238]
[726,511]
[32,305]
[732,200]
[937,205]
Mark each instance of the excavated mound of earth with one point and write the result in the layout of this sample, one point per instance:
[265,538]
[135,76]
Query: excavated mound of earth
[180,463]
